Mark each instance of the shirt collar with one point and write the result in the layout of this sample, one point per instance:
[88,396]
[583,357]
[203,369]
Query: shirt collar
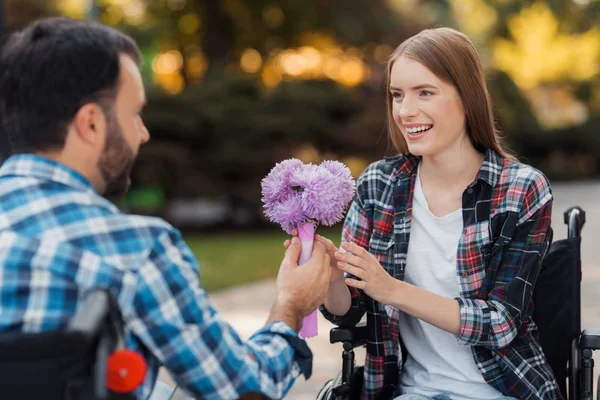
[489,172]
[33,165]
[491,168]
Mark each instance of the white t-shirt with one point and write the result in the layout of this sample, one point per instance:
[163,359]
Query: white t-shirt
[436,362]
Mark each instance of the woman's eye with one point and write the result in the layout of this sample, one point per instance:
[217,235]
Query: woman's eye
[426,93]
[397,95]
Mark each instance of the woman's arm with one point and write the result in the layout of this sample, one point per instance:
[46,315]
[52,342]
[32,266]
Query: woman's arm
[495,322]
[339,299]
[491,323]
[346,305]
[437,310]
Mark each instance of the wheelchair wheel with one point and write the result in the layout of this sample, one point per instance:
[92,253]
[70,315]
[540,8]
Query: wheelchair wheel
[326,392]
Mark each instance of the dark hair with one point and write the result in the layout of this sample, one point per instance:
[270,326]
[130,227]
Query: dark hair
[452,57]
[49,70]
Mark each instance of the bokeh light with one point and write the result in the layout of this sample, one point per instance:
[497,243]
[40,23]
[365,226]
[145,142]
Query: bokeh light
[251,61]
[273,17]
[189,23]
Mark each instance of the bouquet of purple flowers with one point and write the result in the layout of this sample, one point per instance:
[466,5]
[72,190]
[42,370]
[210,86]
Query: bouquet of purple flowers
[302,196]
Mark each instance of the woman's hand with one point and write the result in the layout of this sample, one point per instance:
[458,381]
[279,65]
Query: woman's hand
[374,280]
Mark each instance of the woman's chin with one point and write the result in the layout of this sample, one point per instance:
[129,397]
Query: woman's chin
[418,149]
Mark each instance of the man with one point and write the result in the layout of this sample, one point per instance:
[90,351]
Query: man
[71,95]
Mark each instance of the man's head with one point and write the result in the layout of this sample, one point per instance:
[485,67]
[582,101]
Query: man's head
[72,91]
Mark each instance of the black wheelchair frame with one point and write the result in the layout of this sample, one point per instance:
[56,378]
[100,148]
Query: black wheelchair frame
[567,348]
[67,364]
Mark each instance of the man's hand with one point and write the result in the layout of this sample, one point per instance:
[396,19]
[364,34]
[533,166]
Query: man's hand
[301,289]
[337,274]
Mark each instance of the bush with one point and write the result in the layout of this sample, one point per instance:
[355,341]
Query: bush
[218,139]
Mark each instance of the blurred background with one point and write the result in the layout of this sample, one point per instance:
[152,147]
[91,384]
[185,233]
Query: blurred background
[235,86]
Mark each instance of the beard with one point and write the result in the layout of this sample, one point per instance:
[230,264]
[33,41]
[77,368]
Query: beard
[116,161]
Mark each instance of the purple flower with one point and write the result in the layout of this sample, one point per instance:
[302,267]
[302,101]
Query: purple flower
[294,193]
[343,173]
[288,213]
[276,185]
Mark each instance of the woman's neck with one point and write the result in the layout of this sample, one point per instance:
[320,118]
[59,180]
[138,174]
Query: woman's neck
[452,168]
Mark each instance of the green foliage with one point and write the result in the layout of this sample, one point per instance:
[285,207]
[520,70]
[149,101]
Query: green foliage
[220,138]
[563,154]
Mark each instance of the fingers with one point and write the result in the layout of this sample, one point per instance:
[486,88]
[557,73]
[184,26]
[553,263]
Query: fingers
[325,277]
[329,246]
[355,249]
[358,272]
[318,251]
[355,283]
[325,266]
[351,260]
[327,243]
[320,260]
[293,252]
[287,243]
[326,259]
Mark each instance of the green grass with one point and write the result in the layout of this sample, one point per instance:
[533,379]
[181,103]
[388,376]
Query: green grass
[228,260]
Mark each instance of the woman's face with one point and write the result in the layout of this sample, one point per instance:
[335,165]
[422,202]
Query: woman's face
[427,110]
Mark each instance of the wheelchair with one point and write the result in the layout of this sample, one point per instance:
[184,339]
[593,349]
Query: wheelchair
[85,360]
[557,298]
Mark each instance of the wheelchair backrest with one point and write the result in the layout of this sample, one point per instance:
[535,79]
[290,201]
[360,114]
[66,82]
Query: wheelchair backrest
[57,364]
[557,303]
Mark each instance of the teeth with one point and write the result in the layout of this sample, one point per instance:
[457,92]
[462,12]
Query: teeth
[418,128]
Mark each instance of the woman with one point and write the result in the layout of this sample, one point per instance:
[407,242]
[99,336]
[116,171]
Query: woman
[444,243]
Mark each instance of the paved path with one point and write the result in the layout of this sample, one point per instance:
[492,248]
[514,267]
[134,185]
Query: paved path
[246,308]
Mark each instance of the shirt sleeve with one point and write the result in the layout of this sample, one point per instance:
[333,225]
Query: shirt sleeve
[495,322]
[355,230]
[172,316]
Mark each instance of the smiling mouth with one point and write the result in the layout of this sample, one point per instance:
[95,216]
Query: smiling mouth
[418,131]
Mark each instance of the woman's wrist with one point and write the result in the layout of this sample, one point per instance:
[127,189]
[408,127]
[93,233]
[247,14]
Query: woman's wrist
[338,299]
[439,311]
[399,294]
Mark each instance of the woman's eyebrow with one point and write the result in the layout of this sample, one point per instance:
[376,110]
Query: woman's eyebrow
[421,86]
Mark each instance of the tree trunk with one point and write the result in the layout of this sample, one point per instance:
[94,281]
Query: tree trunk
[217,39]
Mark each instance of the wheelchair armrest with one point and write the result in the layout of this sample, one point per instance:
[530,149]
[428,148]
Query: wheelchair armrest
[357,335]
[590,339]
[92,315]
[92,322]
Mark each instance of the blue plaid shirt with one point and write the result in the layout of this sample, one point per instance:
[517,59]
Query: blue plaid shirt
[59,238]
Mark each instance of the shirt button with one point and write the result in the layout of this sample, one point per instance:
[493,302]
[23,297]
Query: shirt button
[464,274]
[470,190]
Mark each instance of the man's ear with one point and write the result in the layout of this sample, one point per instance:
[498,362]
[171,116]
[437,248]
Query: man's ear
[89,124]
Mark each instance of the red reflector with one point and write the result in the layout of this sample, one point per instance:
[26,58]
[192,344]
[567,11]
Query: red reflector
[126,371]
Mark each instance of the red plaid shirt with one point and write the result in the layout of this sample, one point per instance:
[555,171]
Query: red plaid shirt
[506,219]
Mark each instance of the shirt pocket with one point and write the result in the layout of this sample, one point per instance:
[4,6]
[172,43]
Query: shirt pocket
[473,256]
[382,247]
